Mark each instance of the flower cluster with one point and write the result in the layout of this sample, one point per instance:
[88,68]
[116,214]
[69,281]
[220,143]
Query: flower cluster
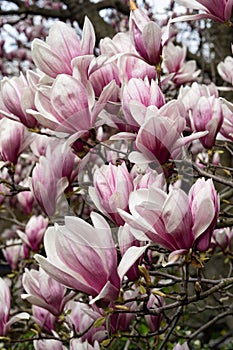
[107,170]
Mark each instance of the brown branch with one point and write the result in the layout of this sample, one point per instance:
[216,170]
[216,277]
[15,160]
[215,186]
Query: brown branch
[205,174]
[75,11]
[37,11]
[171,328]
[210,323]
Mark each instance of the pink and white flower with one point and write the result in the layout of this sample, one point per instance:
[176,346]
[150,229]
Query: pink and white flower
[82,257]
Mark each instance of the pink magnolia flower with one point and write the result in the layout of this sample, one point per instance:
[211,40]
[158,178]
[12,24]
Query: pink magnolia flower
[146,36]
[190,95]
[153,322]
[34,232]
[203,198]
[217,10]
[14,252]
[126,240]
[48,344]
[184,346]
[46,186]
[63,161]
[160,137]
[112,186]
[81,318]
[174,61]
[121,321]
[129,66]
[222,238]
[17,96]
[44,291]
[227,125]
[148,178]
[25,198]
[99,72]
[144,94]
[54,56]
[14,139]
[40,144]
[82,257]
[44,318]
[207,115]
[77,344]
[225,69]
[69,106]
[5,307]
[176,221]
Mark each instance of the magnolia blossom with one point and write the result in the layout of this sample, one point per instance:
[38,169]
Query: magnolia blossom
[14,252]
[17,96]
[142,93]
[218,10]
[44,318]
[160,137]
[69,106]
[25,198]
[129,66]
[46,186]
[146,36]
[82,257]
[176,221]
[154,322]
[227,125]
[145,180]
[190,95]
[44,291]
[77,344]
[14,139]
[34,232]
[54,56]
[208,115]
[174,61]
[5,307]
[81,317]
[112,186]
[121,321]
[222,238]
[184,346]
[63,161]
[126,240]
[225,69]
[48,344]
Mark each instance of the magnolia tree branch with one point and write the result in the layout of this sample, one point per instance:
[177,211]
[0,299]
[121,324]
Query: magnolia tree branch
[75,11]
[211,323]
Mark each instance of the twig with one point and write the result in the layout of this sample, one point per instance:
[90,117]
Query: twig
[210,323]
[170,329]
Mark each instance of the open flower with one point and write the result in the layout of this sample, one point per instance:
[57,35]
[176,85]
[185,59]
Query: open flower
[176,221]
[217,10]
[225,69]
[44,291]
[112,186]
[69,106]
[54,56]
[82,257]
[17,95]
